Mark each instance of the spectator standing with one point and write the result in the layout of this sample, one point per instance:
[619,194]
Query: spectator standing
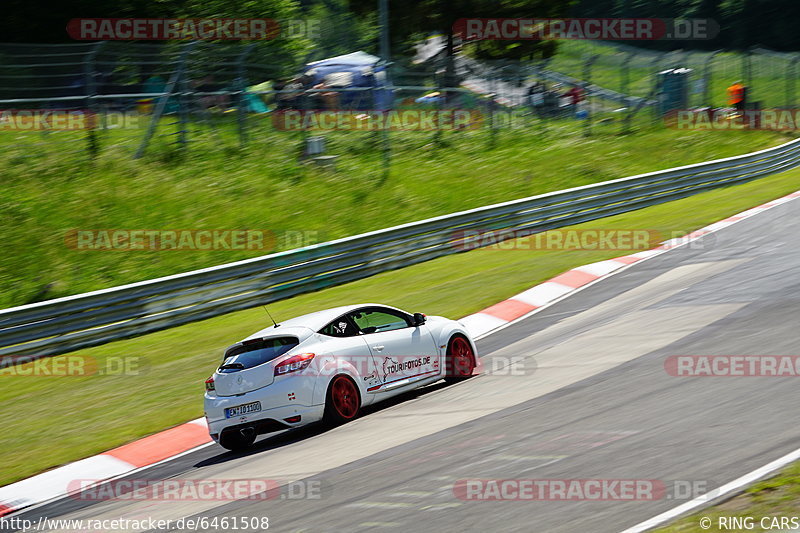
[737,96]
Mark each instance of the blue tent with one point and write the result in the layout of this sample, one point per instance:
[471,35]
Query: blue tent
[357,69]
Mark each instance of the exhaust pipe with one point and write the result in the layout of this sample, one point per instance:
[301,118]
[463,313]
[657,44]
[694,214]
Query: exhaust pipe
[248,432]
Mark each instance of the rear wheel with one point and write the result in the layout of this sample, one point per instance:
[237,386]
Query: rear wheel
[343,401]
[238,440]
[460,359]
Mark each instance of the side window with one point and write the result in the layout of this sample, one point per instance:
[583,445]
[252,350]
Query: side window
[377,321]
[341,327]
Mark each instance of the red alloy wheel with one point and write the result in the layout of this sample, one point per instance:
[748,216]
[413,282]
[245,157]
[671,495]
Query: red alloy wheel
[462,360]
[344,397]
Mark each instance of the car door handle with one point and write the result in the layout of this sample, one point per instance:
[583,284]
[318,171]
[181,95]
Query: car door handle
[379,348]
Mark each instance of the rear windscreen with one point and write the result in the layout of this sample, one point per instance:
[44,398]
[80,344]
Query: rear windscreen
[256,352]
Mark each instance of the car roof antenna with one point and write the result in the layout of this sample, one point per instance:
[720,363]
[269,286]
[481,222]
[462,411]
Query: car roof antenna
[270,316]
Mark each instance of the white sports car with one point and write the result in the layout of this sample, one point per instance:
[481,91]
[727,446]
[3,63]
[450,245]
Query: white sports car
[328,365]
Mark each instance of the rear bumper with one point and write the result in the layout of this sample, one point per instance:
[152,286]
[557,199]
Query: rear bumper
[267,421]
[284,399]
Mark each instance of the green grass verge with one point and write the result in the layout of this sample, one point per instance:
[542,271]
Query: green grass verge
[47,191]
[778,496]
[53,420]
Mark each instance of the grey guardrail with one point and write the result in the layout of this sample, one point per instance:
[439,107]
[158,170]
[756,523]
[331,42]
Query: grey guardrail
[66,324]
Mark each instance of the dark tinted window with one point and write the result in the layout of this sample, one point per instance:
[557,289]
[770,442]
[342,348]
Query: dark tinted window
[341,327]
[379,320]
[256,352]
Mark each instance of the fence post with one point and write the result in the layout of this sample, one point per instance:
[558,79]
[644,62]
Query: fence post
[386,58]
[747,73]
[183,111]
[790,83]
[163,99]
[241,86]
[625,73]
[708,76]
[657,89]
[625,88]
[439,104]
[91,92]
[387,104]
[587,81]
[492,102]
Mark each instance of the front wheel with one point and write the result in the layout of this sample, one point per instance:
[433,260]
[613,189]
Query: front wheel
[343,401]
[460,359]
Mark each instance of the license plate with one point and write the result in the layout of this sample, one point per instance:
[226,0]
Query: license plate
[245,409]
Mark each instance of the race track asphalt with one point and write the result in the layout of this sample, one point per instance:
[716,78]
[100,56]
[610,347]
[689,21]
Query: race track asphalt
[587,397]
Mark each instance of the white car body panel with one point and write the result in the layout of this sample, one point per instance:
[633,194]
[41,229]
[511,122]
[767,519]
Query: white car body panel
[382,364]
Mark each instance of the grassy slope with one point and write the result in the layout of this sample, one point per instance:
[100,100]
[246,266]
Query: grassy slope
[47,191]
[774,497]
[105,411]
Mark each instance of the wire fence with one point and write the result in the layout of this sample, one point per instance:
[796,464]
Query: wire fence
[141,99]
[769,75]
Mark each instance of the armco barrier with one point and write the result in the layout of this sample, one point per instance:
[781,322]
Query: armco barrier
[66,324]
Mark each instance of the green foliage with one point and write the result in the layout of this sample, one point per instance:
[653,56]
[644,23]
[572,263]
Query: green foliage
[342,31]
[743,23]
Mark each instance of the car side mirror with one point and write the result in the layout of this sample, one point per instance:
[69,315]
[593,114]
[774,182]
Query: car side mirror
[419,319]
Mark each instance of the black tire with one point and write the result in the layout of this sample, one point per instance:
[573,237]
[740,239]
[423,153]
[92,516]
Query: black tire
[342,401]
[460,360]
[235,441]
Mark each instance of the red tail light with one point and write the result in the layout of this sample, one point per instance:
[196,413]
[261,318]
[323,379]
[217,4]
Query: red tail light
[294,364]
[210,384]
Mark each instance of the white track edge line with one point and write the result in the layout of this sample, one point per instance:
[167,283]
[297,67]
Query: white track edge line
[642,260]
[725,489]
[523,317]
[108,480]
